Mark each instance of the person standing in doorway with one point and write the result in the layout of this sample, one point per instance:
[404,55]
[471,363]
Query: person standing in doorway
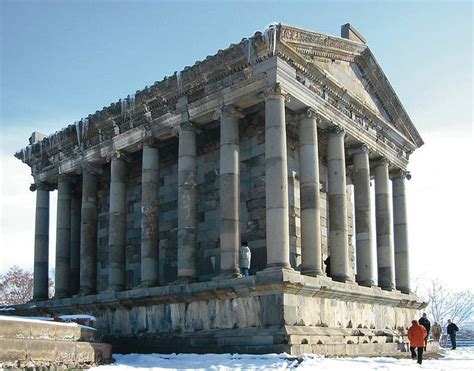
[436,331]
[245,256]
[425,322]
[416,335]
[451,330]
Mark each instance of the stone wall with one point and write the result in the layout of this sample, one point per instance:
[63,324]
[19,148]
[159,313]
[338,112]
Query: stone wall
[252,204]
[269,312]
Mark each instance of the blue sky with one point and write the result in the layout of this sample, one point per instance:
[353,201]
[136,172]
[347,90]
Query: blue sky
[61,60]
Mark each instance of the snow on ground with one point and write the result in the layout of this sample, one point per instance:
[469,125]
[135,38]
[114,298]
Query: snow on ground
[459,359]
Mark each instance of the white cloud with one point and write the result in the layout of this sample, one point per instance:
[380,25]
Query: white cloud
[440,208]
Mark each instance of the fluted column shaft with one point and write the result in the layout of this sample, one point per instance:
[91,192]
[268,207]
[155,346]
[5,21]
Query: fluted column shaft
[309,194]
[75,243]
[117,224]
[338,229]
[229,192]
[402,261]
[383,227]
[363,217]
[63,239]
[149,217]
[187,197]
[276,184]
[40,275]
[88,266]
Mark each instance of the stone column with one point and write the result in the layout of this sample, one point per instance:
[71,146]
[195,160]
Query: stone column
[63,238]
[383,227]
[117,223]
[338,229]
[187,197]
[229,192]
[75,242]
[311,257]
[88,266]
[149,217]
[276,180]
[400,236]
[40,286]
[363,217]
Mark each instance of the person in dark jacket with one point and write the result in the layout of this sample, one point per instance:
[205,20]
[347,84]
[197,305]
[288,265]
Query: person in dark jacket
[425,322]
[327,262]
[451,330]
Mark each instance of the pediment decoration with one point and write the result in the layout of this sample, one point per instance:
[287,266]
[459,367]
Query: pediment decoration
[349,67]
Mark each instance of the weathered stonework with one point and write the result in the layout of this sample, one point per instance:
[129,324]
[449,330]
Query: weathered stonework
[258,143]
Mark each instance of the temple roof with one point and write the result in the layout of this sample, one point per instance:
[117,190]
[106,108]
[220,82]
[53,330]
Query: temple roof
[344,67]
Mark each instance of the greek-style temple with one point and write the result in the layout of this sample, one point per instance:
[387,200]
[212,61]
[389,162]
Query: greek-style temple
[283,140]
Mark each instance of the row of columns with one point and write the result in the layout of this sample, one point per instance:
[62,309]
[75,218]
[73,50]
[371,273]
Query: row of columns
[71,240]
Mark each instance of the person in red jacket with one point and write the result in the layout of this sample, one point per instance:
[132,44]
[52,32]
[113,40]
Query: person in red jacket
[416,335]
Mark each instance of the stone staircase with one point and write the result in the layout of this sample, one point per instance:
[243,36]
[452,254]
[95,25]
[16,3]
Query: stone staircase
[26,342]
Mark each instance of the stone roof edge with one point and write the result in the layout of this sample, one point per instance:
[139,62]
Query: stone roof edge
[401,113]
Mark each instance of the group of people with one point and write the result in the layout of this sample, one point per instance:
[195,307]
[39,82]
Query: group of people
[419,333]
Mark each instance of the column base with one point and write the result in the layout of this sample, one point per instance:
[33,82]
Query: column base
[276,270]
[342,279]
[387,288]
[404,290]
[313,272]
[37,299]
[229,275]
[115,288]
[85,292]
[367,283]
[184,279]
[146,284]
[61,295]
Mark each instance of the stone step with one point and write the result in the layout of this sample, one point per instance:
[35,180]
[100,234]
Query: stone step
[24,328]
[21,353]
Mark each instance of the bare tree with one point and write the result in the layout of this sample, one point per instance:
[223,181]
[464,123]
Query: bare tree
[16,286]
[444,304]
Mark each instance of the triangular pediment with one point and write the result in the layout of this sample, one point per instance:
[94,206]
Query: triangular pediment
[349,66]
[349,75]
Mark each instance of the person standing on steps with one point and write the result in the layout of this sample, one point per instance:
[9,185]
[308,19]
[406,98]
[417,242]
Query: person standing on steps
[245,256]
[451,330]
[425,322]
[436,331]
[416,335]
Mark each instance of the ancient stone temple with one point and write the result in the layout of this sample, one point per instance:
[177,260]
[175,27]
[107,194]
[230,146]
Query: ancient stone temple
[281,140]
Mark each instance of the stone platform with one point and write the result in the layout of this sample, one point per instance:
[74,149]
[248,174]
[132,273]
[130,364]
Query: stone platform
[274,311]
[38,343]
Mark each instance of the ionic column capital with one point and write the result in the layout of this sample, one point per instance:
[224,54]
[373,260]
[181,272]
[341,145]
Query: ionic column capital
[115,155]
[92,169]
[64,178]
[382,161]
[360,148]
[184,126]
[148,141]
[275,92]
[309,113]
[42,186]
[399,173]
[337,130]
